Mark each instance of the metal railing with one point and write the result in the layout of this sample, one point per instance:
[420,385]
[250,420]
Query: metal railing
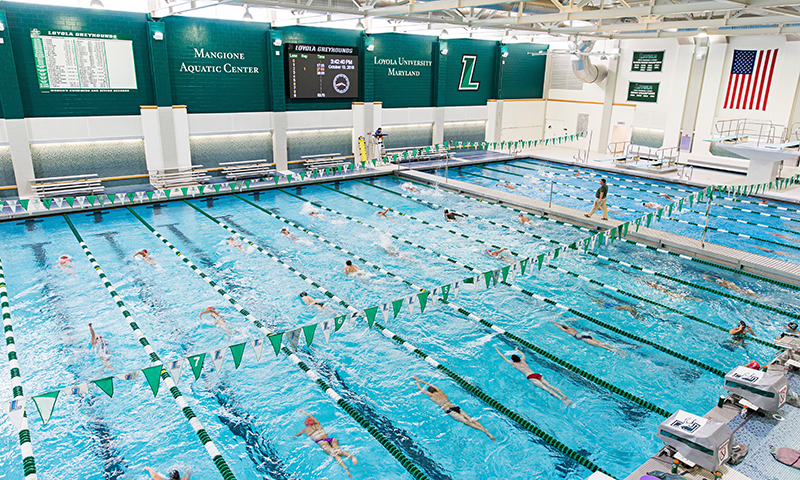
[762,132]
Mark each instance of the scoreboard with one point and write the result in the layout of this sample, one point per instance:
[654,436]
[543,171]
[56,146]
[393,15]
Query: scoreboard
[321,71]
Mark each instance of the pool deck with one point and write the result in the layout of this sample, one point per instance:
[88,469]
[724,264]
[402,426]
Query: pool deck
[745,261]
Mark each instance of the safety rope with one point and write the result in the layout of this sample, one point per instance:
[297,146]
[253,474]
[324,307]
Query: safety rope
[199,429]
[24,434]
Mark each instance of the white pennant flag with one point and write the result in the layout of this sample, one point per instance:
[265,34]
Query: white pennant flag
[15,409]
[434,295]
[59,201]
[120,197]
[219,357]
[477,281]
[81,201]
[130,376]
[327,328]
[80,389]
[174,368]
[386,310]
[410,303]
[293,338]
[258,346]
[454,289]
[140,196]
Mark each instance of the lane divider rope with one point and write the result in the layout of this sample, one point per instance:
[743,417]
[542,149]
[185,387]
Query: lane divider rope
[514,337]
[24,434]
[530,426]
[582,315]
[691,317]
[313,375]
[199,429]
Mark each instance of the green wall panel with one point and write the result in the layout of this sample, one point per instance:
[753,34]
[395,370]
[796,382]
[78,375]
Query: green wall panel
[210,151]
[403,70]
[23,17]
[323,36]
[218,65]
[523,74]
[106,159]
[459,52]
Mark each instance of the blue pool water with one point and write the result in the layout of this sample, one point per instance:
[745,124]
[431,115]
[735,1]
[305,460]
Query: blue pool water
[772,230]
[251,412]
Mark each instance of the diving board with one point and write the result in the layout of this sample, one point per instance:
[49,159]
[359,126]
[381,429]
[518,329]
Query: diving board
[730,138]
[781,146]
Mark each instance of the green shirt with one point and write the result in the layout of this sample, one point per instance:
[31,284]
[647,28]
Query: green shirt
[602,192]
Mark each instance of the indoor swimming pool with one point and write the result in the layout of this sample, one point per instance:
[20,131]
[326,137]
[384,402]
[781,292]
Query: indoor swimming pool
[663,336]
[771,229]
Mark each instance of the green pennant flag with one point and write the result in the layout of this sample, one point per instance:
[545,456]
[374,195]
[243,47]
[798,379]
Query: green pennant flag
[150,195]
[691,201]
[247,184]
[648,219]
[90,198]
[339,321]
[153,376]
[523,264]
[370,313]
[488,277]
[110,198]
[237,351]
[445,292]
[302,176]
[24,203]
[196,362]
[275,340]
[70,200]
[556,252]
[168,192]
[106,385]
[423,300]
[308,332]
[586,244]
[505,271]
[47,202]
[600,238]
[680,205]
[185,191]
[130,196]
[289,177]
[276,178]
[202,189]
[638,223]
[45,404]
[396,306]
[232,185]
[625,227]
[540,260]
[669,210]
[658,213]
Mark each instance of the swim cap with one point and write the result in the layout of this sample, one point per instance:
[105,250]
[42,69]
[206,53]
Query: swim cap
[67,256]
[309,421]
[303,294]
[792,325]
[144,250]
[754,365]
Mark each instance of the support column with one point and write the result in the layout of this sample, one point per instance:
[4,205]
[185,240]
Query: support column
[280,150]
[693,90]
[494,120]
[608,102]
[438,125]
[367,117]
[16,127]
[277,88]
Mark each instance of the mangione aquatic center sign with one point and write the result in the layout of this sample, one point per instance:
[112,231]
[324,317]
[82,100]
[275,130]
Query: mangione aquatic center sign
[224,66]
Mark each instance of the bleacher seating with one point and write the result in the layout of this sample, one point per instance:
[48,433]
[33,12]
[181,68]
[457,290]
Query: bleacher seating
[179,176]
[67,186]
[248,169]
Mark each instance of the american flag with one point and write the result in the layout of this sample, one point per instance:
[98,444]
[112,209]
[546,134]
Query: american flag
[751,77]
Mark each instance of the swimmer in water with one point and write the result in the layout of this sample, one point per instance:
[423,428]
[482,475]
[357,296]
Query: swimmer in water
[235,243]
[173,475]
[437,396]
[667,291]
[585,337]
[496,254]
[329,445]
[651,205]
[523,219]
[288,234]
[664,195]
[383,213]
[577,174]
[219,320]
[349,268]
[518,361]
[774,252]
[311,302]
[741,330]
[100,346]
[617,306]
[730,285]
[791,331]
[317,215]
[506,185]
[145,256]
[65,264]
[409,188]
[448,215]
[785,237]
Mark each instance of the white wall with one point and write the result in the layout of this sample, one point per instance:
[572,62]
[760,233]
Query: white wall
[83,129]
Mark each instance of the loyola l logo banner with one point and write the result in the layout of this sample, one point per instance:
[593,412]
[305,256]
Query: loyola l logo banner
[467,69]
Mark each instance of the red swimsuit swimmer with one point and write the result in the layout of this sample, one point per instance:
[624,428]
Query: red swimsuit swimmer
[534,376]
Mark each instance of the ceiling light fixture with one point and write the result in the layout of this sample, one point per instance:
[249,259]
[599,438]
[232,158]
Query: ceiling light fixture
[96,4]
[247,15]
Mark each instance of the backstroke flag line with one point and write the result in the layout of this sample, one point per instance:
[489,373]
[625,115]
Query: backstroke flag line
[750,79]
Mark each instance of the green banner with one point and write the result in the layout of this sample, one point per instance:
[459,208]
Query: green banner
[643,92]
[647,61]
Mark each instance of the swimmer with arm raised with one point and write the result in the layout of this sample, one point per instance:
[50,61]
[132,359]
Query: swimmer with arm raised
[100,346]
[219,320]
[145,256]
[315,431]
[585,337]
[518,361]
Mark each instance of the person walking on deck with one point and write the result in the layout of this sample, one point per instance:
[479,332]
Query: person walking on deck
[600,200]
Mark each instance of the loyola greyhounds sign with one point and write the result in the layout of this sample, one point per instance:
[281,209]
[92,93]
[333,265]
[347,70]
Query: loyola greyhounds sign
[466,82]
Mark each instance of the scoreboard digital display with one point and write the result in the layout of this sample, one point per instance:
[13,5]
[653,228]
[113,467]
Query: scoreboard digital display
[321,71]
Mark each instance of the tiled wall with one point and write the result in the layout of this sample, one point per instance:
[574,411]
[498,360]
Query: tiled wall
[318,142]
[6,172]
[413,136]
[465,132]
[210,151]
[106,159]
